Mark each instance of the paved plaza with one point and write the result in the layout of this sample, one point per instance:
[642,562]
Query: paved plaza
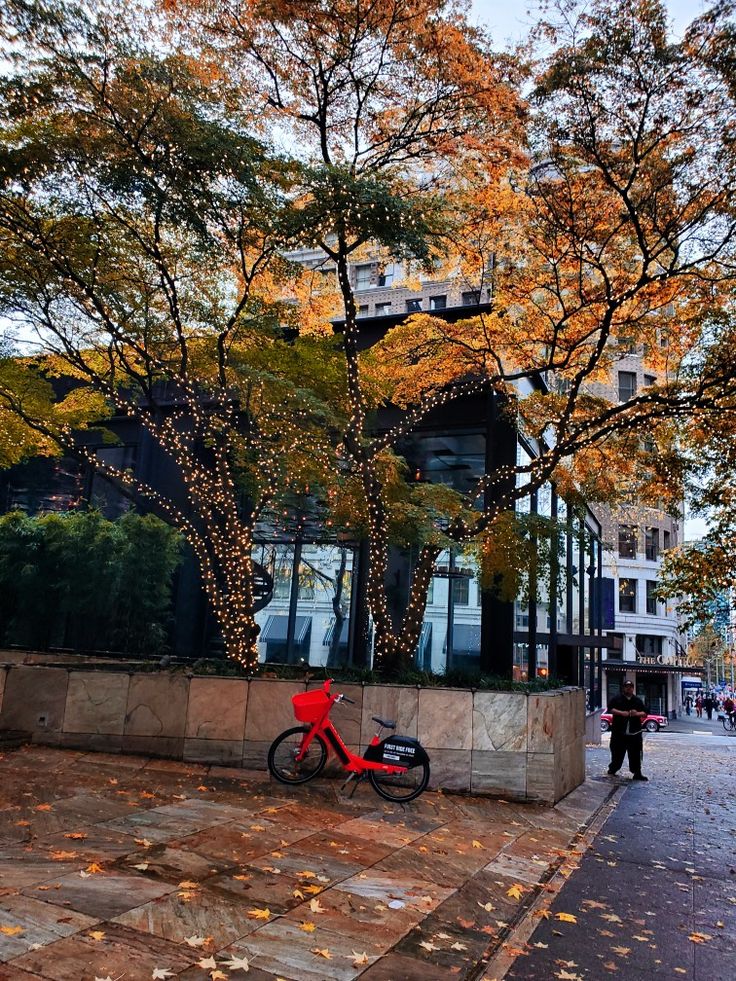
[122,867]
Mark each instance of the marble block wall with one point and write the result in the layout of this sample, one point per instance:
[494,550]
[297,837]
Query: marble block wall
[510,744]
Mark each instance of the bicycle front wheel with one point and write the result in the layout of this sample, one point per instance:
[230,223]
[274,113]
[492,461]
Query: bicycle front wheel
[282,756]
[400,787]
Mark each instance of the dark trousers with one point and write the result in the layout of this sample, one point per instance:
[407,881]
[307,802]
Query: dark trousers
[622,744]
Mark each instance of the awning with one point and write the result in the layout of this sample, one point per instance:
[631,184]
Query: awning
[344,632]
[465,638]
[636,668]
[425,637]
[276,629]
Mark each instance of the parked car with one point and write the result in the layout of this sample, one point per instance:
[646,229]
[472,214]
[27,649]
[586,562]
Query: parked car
[652,723]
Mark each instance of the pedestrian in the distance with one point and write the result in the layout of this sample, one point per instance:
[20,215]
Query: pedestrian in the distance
[628,713]
[688,704]
[699,706]
[708,705]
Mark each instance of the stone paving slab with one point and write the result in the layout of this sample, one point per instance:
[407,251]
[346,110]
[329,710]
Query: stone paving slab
[118,866]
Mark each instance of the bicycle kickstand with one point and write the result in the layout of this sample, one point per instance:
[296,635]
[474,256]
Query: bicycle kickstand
[355,779]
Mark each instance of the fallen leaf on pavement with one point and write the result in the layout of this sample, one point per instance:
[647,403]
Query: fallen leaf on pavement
[477,844]
[516,891]
[11,931]
[566,917]
[236,964]
[359,959]
[621,951]
[316,907]
[322,952]
[161,973]
[207,963]
[488,907]
[307,927]
[260,914]
[96,934]
[428,945]
[699,938]
[195,941]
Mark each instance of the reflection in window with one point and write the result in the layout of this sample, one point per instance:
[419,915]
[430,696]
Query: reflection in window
[627,595]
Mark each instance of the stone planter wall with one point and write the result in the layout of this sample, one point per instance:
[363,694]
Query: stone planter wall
[510,744]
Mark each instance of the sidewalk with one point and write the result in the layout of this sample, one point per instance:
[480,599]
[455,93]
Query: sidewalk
[655,896]
[118,867]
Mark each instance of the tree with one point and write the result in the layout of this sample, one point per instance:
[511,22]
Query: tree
[142,226]
[601,211]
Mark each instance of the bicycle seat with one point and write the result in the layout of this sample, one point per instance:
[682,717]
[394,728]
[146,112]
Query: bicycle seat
[384,722]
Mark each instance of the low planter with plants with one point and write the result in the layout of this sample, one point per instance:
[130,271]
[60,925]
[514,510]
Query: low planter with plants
[493,736]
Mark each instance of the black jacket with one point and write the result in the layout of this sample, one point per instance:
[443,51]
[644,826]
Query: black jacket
[620,723]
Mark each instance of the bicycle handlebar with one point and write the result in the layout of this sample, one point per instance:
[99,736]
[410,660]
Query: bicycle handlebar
[344,698]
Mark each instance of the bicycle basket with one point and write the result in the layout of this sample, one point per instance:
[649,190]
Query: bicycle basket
[310,706]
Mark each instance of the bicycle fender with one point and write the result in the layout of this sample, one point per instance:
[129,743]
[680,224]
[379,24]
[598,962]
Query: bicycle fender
[397,751]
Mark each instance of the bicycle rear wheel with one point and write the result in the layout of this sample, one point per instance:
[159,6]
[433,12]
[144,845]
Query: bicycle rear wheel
[400,787]
[282,756]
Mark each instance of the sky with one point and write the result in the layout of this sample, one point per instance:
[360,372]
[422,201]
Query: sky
[509,20]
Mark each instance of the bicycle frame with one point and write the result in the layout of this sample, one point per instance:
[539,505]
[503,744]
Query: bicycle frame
[350,762]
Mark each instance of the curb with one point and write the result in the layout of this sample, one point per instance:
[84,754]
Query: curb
[497,959]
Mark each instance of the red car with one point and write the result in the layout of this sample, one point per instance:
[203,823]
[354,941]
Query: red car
[652,723]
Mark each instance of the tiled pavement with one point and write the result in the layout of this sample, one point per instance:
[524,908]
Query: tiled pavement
[122,867]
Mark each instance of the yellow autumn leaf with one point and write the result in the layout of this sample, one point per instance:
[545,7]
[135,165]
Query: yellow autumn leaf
[477,844]
[188,885]
[516,891]
[566,917]
[322,953]
[297,894]
[61,856]
[11,931]
[93,869]
[76,835]
[313,889]
[621,951]
[307,927]
[544,914]
[260,914]
[242,877]
[316,907]
[96,934]
[699,938]
[218,976]
[306,874]
[43,807]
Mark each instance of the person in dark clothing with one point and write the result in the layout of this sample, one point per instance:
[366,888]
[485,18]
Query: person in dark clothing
[708,706]
[628,713]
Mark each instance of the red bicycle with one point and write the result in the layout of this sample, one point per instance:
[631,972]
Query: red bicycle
[397,767]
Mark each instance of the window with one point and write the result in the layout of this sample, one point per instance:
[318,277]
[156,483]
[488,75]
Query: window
[413,306]
[306,582]
[386,275]
[363,277]
[626,542]
[383,309]
[651,597]
[430,593]
[650,380]
[626,385]
[651,544]
[437,302]
[648,646]
[363,310]
[461,591]
[471,298]
[627,595]
[666,540]
[282,582]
